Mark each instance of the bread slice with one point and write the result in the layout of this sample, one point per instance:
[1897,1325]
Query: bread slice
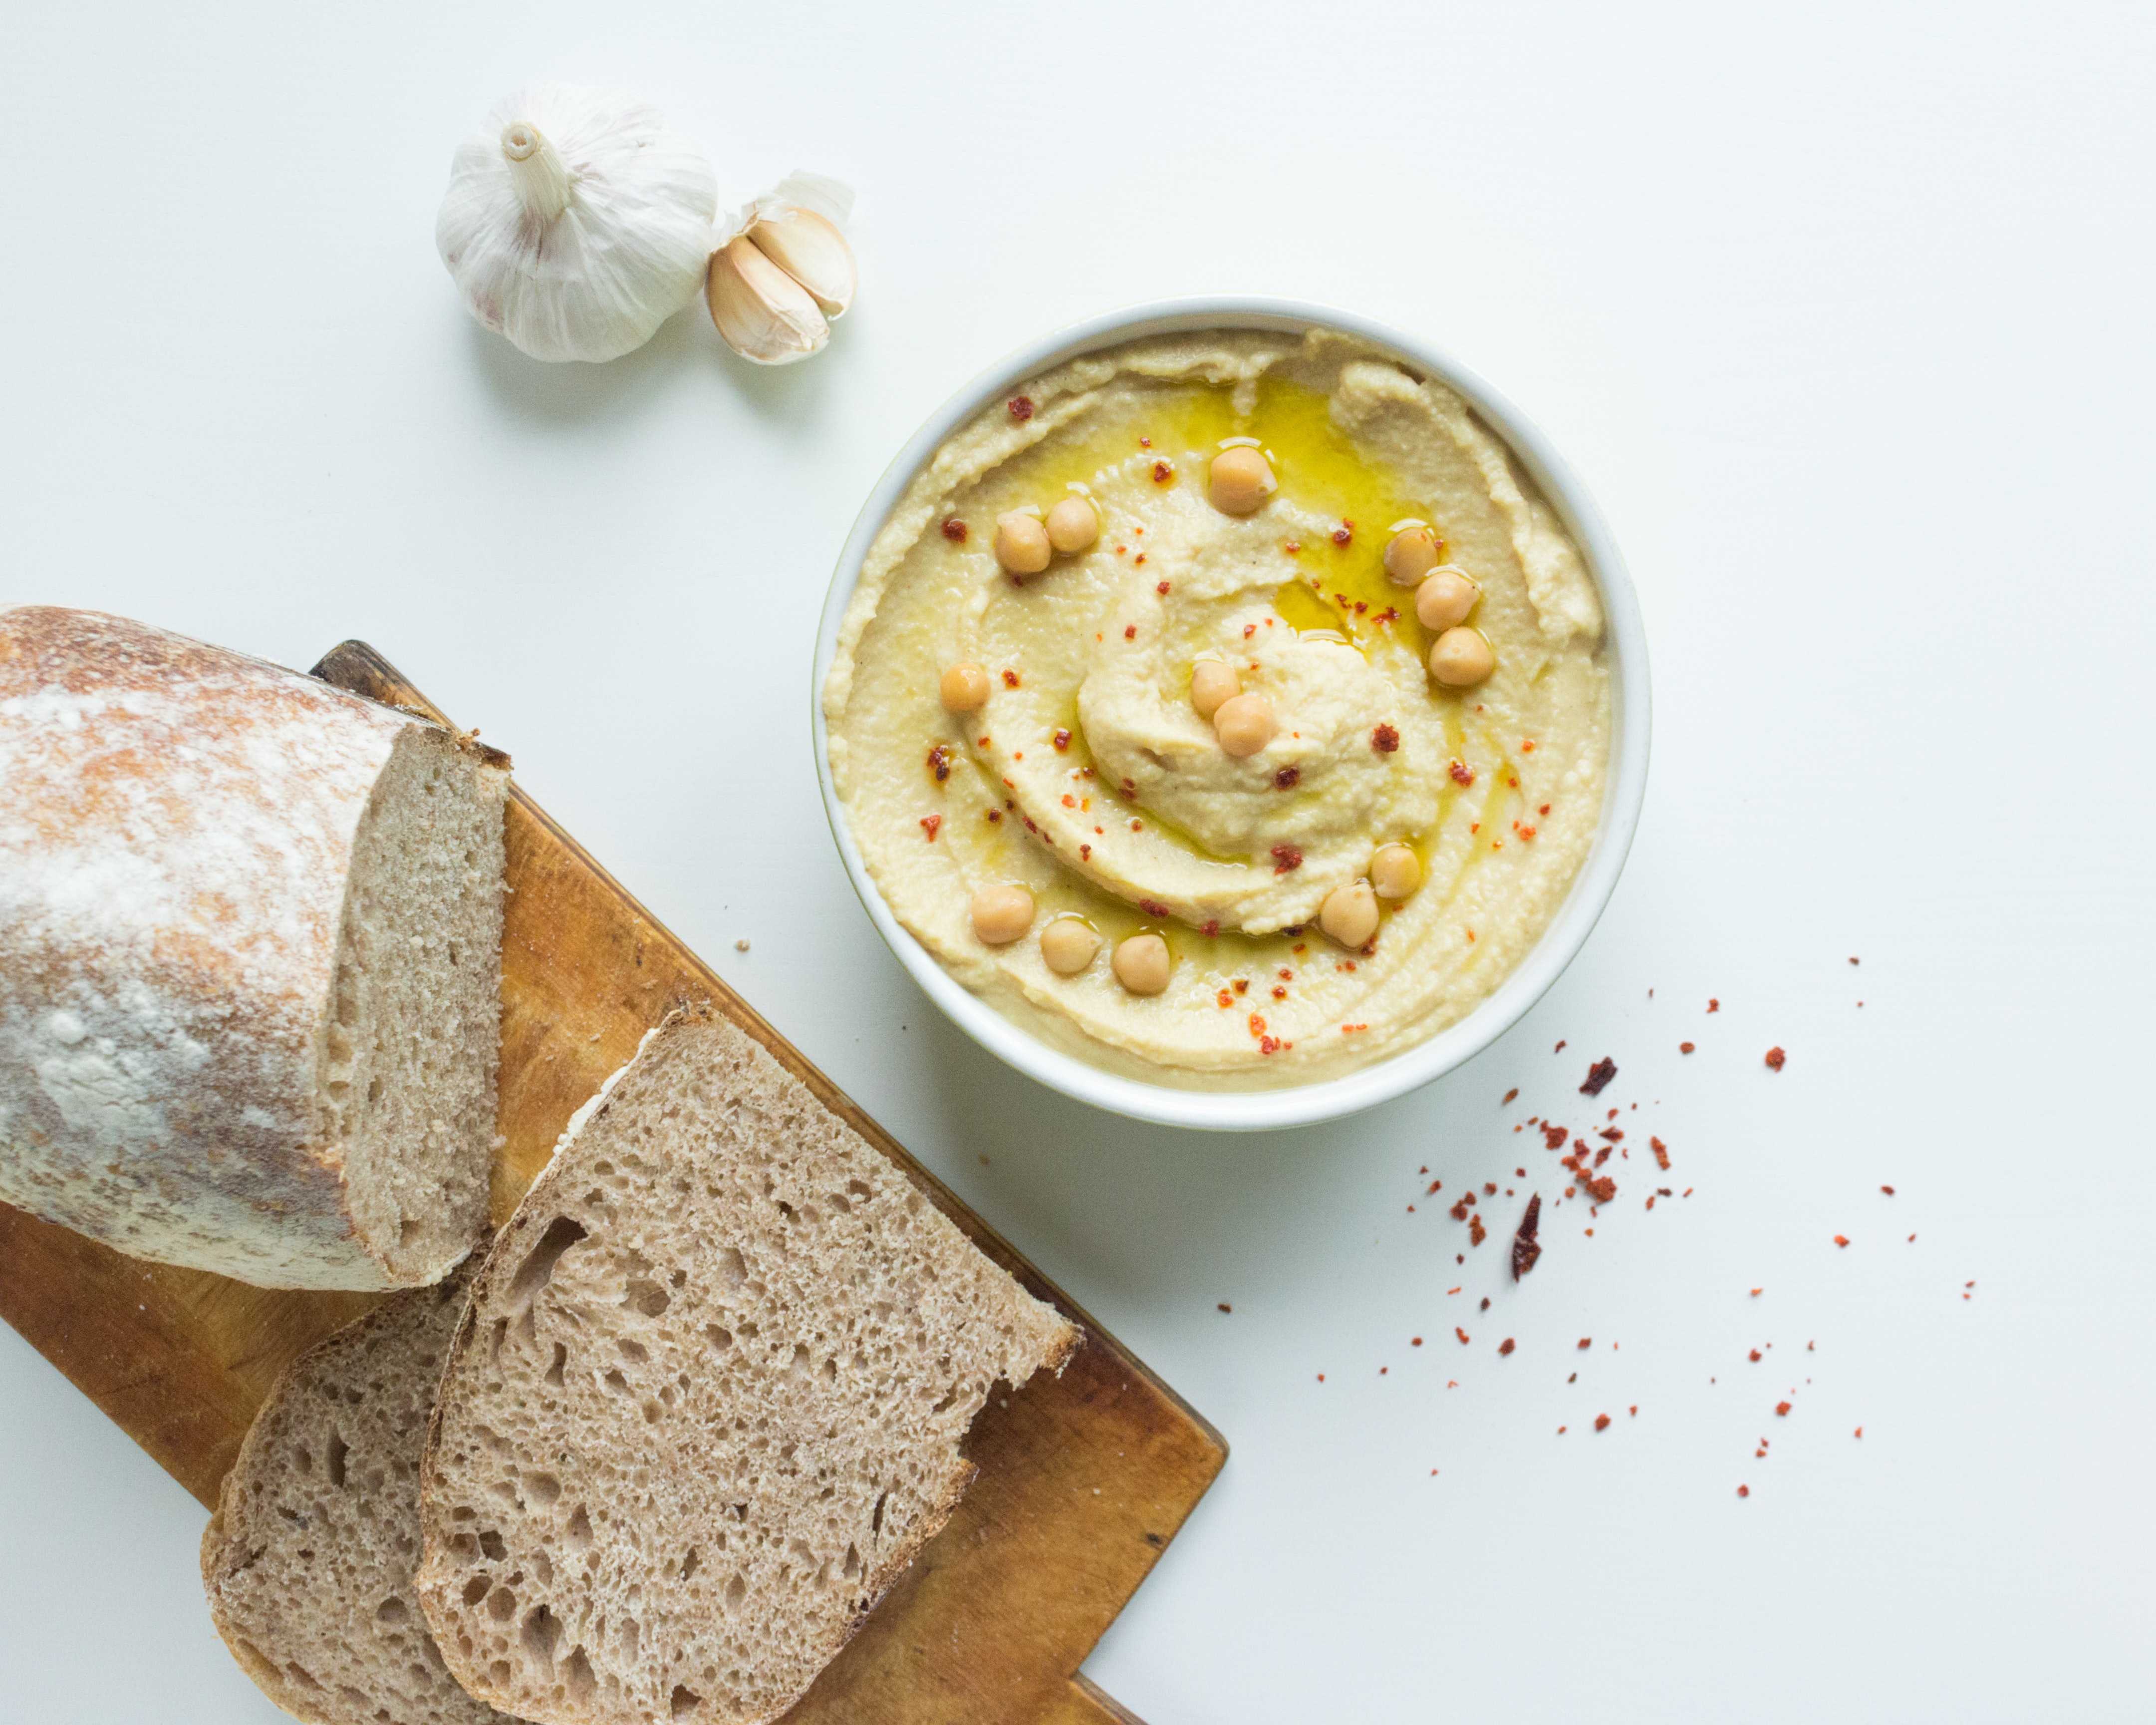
[251,934]
[309,1560]
[707,1403]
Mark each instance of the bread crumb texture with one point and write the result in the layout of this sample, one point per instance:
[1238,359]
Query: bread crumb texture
[250,932]
[309,1562]
[708,1400]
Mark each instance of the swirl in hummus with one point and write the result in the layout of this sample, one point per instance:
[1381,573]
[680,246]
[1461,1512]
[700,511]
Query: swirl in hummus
[1336,864]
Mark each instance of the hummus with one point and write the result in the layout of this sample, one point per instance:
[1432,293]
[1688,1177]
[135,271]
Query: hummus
[1090,779]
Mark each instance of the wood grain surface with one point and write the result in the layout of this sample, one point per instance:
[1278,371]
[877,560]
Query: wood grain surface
[1083,1478]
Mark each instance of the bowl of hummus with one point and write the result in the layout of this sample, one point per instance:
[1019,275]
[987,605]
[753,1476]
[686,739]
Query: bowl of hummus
[1232,713]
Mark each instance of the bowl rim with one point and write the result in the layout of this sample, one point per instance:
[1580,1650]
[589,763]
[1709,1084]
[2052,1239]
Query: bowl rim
[1624,788]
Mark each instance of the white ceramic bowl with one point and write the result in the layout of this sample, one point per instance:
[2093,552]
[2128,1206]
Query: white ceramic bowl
[1245,1111]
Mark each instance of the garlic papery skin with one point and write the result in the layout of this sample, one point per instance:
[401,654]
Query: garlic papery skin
[763,313]
[576,221]
[812,252]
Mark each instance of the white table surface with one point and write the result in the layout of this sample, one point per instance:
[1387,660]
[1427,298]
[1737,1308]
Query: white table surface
[1843,310]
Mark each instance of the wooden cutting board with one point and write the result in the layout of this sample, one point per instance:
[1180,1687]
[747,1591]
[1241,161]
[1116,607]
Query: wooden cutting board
[1083,1478]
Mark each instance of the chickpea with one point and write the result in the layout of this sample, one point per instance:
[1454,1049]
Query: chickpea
[1240,480]
[1141,964]
[1445,598]
[1022,544]
[1412,555]
[965,688]
[1212,683]
[1461,658]
[1073,525]
[1002,913]
[1349,914]
[1395,871]
[1068,944]
[1244,724]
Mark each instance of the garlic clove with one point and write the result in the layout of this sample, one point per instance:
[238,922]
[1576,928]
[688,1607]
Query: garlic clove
[763,313]
[812,250]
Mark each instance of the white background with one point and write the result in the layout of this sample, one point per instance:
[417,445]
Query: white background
[1843,312]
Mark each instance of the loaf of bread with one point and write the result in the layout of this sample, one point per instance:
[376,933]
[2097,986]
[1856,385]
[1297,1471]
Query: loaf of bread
[308,1562]
[250,932]
[707,1401]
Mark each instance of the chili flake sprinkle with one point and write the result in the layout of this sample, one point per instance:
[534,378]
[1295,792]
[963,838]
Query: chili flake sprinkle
[1504,1346]
[1602,1422]
[939,762]
[1775,1057]
[930,823]
[1161,587]
[1599,1076]
[954,529]
[1684,1048]
[1010,680]
[1384,739]
[1285,859]
[1021,407]
[1525,1248]
[1062,741]
[1161,473]
[1344,533]
[1286,778]
[1461,772]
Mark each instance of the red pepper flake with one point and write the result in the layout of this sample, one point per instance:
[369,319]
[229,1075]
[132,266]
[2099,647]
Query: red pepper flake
[1285,859]
[1257,1025]
[1545,810]
[1755,1356]
[1160,588]
[1249,629]
[1559,1049]
[1161,473]
[954,529]
[1602,1422]
[1504,1346]
[1287,778]
[1510,1096]
[1138,559]
[1775,1057]
[1153,907]
[1713,1006]
[1241,985]
[1554,1137]
[1587,1340]
[1860,1429]
[1084,853]
[1131,632]
[1602,1188]
[1662,1154]
[1070,801]
[1888,1190]
[1528,746]
[1841,1239]
[1756,1292]
[1062,741]
[1413,1341]
[939,762]
[1684,1048]
[1458,1210]
[1461,772]
[1526,833]
[995,815]
[1210,927]
[1384,739]
[1010,680]
[1461,1333]
[1476,1232]
[1279,994]
[1782,1409]
[930,823]
[1526,1249]
[1599,1076]
[1743,1490]
[1021,407]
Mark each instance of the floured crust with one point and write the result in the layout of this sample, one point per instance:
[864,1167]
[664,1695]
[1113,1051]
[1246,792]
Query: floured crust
[684,1425]
[177,825]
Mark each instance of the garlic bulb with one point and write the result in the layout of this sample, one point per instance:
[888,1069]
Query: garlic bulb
[576,221]
[783,271]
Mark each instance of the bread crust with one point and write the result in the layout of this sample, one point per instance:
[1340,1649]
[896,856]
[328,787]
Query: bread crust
[176,831]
